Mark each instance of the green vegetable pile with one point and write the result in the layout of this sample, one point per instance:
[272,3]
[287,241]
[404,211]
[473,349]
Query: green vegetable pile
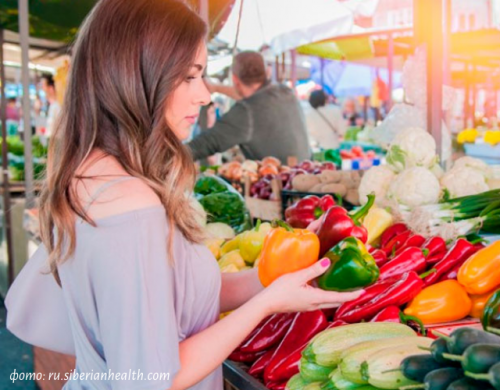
[15,149]
[222,203]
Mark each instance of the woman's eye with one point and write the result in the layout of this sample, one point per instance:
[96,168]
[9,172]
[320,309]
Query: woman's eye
[189,78]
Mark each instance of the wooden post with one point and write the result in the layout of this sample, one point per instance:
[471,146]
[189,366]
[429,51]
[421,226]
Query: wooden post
[390,67]
[5,169]
[293,78]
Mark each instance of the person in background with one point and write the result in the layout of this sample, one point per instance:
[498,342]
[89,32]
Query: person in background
[324,121]
[351,114]
[13,113]
[49,87]
[265,121]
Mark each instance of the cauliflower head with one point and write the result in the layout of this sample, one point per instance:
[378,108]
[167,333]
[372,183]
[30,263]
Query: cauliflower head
[471,162]
[376,180]
[464,181]
[412,147]
[415,187]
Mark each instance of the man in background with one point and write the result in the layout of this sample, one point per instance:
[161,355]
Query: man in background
[49,87]
[266,120]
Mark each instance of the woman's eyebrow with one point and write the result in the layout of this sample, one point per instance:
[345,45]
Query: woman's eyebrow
[198,66]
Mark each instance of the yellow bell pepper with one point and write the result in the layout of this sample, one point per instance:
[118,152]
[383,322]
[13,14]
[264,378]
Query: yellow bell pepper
[467,136]
[478,303]
[442,302]
[376,222]
[230,245]
[481,272]
[229,269]
[232,258]
[214,245]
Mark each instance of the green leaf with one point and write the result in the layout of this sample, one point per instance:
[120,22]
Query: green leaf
[396,156]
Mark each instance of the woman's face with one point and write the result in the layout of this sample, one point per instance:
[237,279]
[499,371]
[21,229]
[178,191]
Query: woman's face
[184,104]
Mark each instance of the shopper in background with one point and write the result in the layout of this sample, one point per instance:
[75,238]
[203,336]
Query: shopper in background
[266,120]
[54,109]
[13,113]
[351,114]
[139,291]
[324,121]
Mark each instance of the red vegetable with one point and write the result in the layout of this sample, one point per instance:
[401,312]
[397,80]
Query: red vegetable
[415,240]
[394,314]
[304,327]
[245,357]
[436,258]
[261,363]
[379,256]
[396,242]
[434,245]
[411,259]
[452,274]
[392,232]
[457,254]
[404,290]
[308,209]
[336,323]
[276,385]
[269,334]
[337,224]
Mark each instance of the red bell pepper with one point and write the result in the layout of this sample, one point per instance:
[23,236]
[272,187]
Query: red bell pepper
[379,256]
[394,314]
[307,210]
[261,363]
[396,242]
[269,334]
[337,224]
[415,241]
[411,259]
[245,357]
[304,327]
[404,290]
[392,232]
[434,245]
[457,254]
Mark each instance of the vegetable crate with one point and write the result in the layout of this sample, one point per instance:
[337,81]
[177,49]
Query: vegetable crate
[265,210]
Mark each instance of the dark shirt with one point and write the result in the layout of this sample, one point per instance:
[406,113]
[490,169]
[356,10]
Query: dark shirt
[268,123]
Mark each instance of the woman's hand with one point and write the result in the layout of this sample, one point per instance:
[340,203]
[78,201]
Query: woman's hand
[293,293]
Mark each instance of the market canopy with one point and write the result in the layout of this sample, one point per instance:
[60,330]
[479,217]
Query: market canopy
[284,24]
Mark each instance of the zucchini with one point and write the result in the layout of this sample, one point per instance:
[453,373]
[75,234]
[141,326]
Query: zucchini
[312,372]
[416,367]
[326,347]
[337,382]
[313,386]
[296,382]
[469,384]
[493,376]
[382,368]
[352,358]
[478,358]
[462,338]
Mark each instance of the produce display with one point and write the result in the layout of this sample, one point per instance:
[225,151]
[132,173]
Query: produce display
[491,137]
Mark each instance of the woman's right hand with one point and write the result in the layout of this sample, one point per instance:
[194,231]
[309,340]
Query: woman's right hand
[293,293]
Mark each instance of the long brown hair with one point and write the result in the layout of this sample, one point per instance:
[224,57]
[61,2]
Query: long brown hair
[127,60]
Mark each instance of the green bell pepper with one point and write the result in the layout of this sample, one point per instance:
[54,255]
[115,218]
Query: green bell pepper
[351,268]
[491,312]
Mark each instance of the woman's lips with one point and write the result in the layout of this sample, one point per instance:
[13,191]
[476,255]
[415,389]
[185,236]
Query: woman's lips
[192,119]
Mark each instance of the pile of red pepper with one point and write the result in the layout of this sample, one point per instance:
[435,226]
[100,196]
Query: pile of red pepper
[274,348]
[408,262]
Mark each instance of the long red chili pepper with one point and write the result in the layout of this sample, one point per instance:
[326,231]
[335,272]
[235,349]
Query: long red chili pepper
[415,241]
[404,290]
[336,323]
[276,385]
[434,245]
[379,256]
[392,232]
[269,334]
[369,294]
[411,259]
[457,254]
[394,314]
[436,258]
[452,274]
[246,357]
[261,363]
[396,242]
[304,326]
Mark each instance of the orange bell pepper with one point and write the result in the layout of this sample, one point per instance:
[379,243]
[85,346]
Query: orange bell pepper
[478,303]
[481,272]
[286,250]
[441,302]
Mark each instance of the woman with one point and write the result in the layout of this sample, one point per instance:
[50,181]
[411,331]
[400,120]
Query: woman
[324,122]
[121,237]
